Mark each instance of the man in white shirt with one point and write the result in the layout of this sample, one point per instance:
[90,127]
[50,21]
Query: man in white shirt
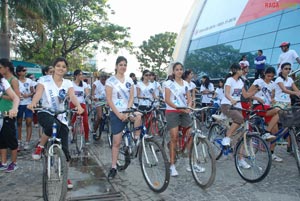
[287,56]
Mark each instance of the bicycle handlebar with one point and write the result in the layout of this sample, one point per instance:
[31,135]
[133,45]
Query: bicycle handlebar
[195,109]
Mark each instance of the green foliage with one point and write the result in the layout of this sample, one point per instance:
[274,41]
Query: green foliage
[155,54]
[47,29]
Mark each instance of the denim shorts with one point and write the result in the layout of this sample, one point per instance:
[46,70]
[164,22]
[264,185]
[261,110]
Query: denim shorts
[117,126]
[24,110]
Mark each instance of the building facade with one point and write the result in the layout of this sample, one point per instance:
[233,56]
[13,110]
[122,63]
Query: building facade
[217,33]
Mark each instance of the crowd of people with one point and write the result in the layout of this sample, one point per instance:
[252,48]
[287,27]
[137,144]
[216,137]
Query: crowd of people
[20,94]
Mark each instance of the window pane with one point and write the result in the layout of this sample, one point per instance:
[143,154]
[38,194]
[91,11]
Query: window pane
[289,19]
[235,45]
[260,42]
[291,35]
[231,35]
[208,41]
[261,27]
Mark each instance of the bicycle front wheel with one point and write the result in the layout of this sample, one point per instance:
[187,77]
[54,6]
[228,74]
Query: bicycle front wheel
[215,135]
[154,164]
[252,158]
[78,137]
[55,174]
[296,147]
[202,162]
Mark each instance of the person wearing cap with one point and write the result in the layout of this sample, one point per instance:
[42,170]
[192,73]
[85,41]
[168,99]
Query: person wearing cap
[244,62]
[259,62]
[287,56]
[27,91]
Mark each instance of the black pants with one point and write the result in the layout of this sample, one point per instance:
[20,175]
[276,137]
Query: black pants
[259,72]
[46,121]
[8,138]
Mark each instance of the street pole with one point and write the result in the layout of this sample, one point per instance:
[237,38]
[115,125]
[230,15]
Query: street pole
[4,31]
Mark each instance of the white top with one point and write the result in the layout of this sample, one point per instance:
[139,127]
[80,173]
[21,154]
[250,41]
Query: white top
[265,92]
[220,95]
[245,63]
[156,87]
[205,98]
[79,91]
[99,90]
[145,91]
[191,86]
[54,96]
[286,57]
[120,92]
[178,93]
[25,89]
[3,86]
[280,96]
[236,87]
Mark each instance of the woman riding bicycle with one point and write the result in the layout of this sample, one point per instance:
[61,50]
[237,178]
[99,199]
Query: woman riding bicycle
[119,95]
[234,88]
[54,89]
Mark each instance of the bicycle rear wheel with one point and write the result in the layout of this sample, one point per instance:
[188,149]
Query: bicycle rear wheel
[296,147]
[215,135]
[124,158]
[202,162]
[78,138]
[256,153]
[55,174]
[154,164]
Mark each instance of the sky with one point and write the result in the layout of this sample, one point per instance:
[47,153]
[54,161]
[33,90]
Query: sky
[145,18]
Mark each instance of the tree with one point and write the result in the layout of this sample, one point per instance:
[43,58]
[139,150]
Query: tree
[4,30]
[45,34]
[155,54]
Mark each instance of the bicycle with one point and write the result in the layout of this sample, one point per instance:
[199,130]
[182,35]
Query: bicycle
[104,124]
[200,152]
[152,157]
[246,145]
[55,170]
[78,133]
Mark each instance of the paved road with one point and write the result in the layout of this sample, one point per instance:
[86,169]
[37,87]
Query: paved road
[88,176]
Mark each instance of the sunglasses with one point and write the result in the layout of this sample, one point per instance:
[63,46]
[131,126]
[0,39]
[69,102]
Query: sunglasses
[287,69]
[147,74]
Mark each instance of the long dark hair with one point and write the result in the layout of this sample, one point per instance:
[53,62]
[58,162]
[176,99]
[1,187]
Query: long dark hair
[77,72]
[268,71]
[174,66]
[144,72]
[46,69]
[6,63]
[282,66]
[186,73]
[206,82]
[234,68]
[119,60]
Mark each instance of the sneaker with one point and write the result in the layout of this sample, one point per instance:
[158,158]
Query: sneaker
[38,153]
[242,163]
[173,171]
[197,168]
[226,141]
[268,136]
[11,167]
[26,146]
[276,158]
[36,125]
[87,142]
[112,173]
[70,185]
[3,166]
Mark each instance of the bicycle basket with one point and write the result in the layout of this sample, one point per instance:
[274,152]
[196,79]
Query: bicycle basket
[290,117]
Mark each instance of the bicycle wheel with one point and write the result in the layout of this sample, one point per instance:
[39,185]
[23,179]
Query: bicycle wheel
[55,174]
[295,147]
[109,135]
[202,162]
[256,153]
[154,164]
[124,153]
[78,134]
[215,135]
[208,119]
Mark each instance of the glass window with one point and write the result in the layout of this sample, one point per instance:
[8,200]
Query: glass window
[262,27]
[260,42]
[208,41]
[288,19]
[291,35]
[235,45]
[231,35]
[193,45]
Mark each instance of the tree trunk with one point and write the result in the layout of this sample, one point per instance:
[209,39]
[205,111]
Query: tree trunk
[4,31]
